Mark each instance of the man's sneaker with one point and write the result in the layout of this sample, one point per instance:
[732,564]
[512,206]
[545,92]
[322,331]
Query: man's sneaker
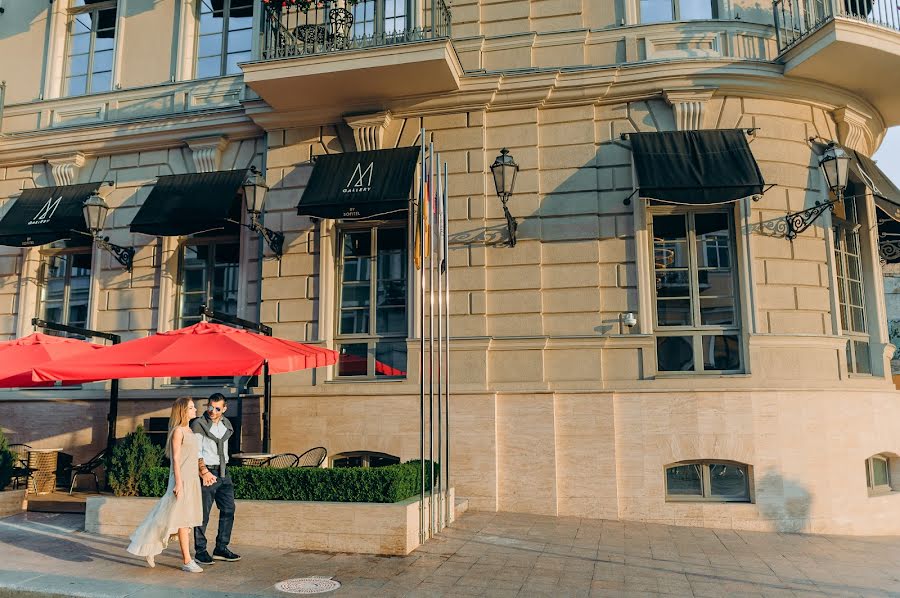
[203,558]
[192,567]
[223,554]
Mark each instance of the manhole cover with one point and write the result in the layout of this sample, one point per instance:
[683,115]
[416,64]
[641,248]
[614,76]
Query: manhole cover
[308,585]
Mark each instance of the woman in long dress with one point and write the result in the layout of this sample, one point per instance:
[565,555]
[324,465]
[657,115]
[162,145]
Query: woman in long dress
[181,508]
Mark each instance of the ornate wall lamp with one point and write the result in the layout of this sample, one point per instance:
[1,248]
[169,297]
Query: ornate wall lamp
[835,163]
[255,189]
[504,170]
[95,210]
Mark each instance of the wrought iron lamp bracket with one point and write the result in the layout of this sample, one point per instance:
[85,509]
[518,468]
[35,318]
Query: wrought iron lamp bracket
[123,255]
[889,249]
[511,225]
[274,239]
[800,221]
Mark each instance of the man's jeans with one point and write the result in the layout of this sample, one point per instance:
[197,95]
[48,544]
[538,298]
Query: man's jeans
[222,492]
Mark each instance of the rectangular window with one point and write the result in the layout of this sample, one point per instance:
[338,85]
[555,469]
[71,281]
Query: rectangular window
[66,288]
[696,316]
[372,301]
[90,47]
[210,275]
[878,474]
[225,36]
[850,287]
[379,19]
[708,481]
[661,11]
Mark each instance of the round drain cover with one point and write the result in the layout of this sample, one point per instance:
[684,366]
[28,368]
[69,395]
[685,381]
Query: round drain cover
[308,585]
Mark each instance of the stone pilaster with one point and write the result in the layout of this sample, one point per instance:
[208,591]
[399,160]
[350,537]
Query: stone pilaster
[207,152]
[689,106]
[852,130]
[368,129]
[64,167]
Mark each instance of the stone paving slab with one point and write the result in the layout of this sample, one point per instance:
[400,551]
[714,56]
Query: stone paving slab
[482,554]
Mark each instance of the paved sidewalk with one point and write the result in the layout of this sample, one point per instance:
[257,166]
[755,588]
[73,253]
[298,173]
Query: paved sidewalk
[483,554]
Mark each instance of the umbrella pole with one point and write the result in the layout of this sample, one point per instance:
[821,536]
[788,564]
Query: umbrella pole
[267,406]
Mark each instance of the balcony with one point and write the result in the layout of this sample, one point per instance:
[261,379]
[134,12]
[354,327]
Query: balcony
[854,44]
[342,56]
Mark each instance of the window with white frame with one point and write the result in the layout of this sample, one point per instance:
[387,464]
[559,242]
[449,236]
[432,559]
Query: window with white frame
[850,285]
[660,11]
[90,46]
[209,275]
[713,481]
[878,474]
[696,317]
[380,18]
[224,36]
[372,301]
[65,281]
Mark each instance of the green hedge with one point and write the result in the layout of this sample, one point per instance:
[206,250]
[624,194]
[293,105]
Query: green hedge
[392,483]
[7,461]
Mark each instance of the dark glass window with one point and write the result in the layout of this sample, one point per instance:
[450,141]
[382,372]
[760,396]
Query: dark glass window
[90,47]
[718,481]
[850,284]
[224,36]
[66,288]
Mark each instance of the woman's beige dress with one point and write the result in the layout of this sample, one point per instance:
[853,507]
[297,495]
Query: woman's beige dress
[170,513]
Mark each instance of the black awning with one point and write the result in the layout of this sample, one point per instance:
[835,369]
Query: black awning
[887,196]
[41,216]
[186,204]
[695,167]
[360,184]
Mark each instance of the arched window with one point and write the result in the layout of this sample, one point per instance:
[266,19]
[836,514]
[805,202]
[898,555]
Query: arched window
[878,474]
[714,481]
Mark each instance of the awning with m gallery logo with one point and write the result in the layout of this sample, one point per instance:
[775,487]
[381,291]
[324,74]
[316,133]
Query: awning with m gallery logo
[367,184]
[701,167]
[41,216]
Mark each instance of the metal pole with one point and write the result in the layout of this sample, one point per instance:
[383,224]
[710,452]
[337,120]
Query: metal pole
[421,236]
[439,516]
[432,166]
[267,406]
[445,466]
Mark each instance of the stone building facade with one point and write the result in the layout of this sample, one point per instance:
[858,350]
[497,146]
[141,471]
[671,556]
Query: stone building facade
[557,406]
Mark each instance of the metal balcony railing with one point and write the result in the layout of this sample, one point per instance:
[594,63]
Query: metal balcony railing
[797,19]
[307,28]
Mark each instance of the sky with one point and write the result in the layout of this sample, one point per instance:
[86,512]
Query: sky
[888,155]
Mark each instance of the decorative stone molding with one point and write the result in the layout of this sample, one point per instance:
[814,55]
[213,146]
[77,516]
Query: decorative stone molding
[688,105]
[852,130]
[207,152]
[368,129]
[64,167]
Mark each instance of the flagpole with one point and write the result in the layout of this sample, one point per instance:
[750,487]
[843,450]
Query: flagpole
[430,235]
[445,466]
[421,248]
[439,516]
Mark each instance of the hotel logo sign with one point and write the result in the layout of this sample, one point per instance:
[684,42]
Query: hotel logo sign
[46,212]
[361,179]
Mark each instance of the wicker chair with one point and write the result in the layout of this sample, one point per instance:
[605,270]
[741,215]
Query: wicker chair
[87,468]
[20,472]
[281,461]
[314,457]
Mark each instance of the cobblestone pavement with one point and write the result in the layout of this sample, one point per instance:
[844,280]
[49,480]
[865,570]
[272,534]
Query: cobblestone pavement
[483,554]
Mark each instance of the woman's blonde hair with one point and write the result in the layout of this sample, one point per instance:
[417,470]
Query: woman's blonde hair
[178,418]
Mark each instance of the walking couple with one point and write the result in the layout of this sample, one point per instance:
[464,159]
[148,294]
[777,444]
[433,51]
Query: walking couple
[198,450]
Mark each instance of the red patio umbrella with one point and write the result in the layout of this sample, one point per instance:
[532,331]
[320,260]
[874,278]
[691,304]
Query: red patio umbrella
[19,356]
[204,349]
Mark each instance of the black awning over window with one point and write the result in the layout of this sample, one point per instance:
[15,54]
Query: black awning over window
[887,196]
[186,204]
[360,184]
[695,167]
[41,216]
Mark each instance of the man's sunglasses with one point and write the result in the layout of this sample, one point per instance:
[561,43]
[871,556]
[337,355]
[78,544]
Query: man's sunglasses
[216,409]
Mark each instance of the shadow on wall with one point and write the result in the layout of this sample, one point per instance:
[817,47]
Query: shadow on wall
[789,506]
[20,17]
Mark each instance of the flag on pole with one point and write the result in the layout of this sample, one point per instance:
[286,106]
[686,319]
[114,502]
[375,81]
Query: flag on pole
[426,210]
[439,218]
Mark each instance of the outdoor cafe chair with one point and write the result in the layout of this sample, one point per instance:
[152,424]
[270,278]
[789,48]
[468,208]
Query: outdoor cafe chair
[281,461]
[314,457]
[87,468]
[20,472]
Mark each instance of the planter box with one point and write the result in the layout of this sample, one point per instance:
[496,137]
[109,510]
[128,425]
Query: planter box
[12,502]
[367,528]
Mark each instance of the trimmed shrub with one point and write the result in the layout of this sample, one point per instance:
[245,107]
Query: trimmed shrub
[392,483]
[7,460]
[132,457]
